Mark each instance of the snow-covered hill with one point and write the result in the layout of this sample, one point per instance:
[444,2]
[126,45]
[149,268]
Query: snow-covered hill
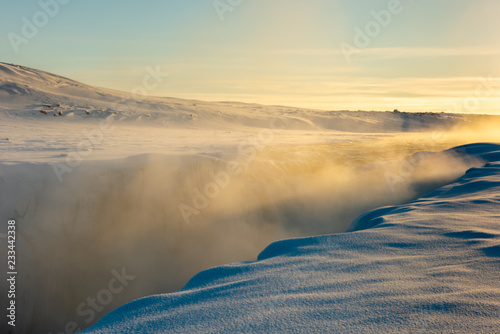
[36,94]
[106,186]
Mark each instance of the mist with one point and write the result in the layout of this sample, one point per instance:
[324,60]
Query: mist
[160,219]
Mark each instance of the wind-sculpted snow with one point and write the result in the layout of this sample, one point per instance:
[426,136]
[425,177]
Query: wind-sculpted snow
[118,196]
[476,180]
[35,94]
[430,266]
[163,218]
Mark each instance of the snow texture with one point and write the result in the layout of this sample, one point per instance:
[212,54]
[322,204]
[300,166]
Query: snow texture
[430,266]
[96,178]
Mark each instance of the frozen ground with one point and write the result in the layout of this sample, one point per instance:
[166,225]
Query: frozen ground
[103,183]
[430,266]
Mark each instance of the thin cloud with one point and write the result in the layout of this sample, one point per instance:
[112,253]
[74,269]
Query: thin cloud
[393,52]
[419,52]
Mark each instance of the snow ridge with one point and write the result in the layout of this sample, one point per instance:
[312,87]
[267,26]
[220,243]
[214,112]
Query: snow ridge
[427,266]
[32,93]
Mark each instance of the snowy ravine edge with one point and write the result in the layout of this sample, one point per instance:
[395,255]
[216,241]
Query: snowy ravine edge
[427,266]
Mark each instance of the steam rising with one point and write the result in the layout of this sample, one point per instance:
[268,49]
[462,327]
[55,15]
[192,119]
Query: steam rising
[165,218]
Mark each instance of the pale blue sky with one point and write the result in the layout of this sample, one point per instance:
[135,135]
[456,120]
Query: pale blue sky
[430,56]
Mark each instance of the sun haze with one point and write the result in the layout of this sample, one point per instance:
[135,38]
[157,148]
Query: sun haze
[336,55]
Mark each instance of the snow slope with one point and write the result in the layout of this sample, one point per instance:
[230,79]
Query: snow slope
[26,92]
[430,266]
[45,117]
[102,181]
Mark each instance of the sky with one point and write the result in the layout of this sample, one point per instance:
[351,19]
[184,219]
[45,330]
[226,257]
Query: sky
[411,55]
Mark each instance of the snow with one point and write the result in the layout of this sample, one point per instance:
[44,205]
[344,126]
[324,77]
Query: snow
[427,266]
[164,188]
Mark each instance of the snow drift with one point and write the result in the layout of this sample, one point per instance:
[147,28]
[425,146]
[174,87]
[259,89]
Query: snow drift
[165,218]
[427,266]
[120,196]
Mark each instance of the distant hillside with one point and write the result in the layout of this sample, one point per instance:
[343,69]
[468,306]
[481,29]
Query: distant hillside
[30,92]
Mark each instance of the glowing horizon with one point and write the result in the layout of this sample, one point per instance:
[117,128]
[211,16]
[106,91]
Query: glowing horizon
[333,55]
